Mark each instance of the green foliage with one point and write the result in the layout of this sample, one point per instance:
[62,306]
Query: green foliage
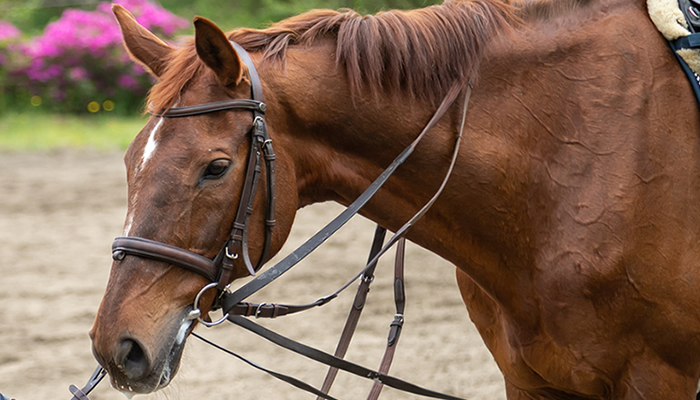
[78,62]
[261,13]
[31,16]
[46,70]
[32,131]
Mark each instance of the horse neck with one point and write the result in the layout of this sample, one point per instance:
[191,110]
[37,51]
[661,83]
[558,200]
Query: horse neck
[542,101]
[342,141]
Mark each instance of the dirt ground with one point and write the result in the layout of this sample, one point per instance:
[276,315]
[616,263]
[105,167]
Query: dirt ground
[58,215]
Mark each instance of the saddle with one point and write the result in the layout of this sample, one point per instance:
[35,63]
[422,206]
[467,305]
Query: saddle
[691,12]
[679,22]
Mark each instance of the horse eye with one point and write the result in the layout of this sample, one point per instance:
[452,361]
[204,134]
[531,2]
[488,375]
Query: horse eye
[216,169]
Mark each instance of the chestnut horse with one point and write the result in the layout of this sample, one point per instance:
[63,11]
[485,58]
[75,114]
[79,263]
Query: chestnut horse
[572,215]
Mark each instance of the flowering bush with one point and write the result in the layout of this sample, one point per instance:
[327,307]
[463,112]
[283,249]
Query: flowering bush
[79,60]
[8,31]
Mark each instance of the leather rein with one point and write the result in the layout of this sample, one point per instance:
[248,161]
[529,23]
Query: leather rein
[219,270]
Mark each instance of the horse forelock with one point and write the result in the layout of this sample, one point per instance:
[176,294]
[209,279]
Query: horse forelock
[421,52]
[181,68]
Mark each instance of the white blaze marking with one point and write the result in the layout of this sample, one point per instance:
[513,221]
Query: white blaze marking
[148,151]
[129,219]
[127,228]
[150,145]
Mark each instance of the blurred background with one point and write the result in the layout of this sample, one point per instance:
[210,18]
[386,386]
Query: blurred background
[62,61]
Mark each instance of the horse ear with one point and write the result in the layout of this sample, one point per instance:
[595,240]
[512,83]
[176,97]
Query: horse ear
[143,46]
[214,48]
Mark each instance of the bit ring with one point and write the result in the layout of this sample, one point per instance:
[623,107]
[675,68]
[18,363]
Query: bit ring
[196,308]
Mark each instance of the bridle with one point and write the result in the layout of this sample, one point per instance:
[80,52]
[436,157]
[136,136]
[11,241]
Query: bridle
[219,270]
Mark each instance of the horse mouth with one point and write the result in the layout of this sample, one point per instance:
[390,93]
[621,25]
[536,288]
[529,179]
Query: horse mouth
[172,363]
[165,366]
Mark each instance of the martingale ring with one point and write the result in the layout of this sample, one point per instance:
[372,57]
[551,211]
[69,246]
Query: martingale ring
[196,311]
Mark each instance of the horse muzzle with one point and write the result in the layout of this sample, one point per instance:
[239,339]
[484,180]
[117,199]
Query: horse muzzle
[136,366]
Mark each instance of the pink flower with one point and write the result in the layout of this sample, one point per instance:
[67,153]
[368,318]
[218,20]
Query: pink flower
[150,15]
[82,53]
[127,82]
[78,74]
[8,31]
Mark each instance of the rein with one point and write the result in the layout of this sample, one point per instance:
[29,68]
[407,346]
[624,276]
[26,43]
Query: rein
[219,270]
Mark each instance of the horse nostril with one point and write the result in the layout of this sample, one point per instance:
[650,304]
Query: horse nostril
[132,359]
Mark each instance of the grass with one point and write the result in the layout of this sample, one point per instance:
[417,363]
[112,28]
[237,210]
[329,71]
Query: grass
[38,132]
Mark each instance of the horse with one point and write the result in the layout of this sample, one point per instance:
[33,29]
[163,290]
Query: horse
[571,215]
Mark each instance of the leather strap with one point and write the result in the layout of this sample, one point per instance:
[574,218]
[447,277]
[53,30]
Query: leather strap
[380,376]
[691,41]
[336,362]
[285,378]
[146,248]
[274,272]
[221,269]
[358,305]
[397,324]
[691,13]
[82,394]
[238,239]
[233,104]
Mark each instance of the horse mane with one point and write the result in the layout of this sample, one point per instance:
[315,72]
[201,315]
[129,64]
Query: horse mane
[547,9]
[423,52]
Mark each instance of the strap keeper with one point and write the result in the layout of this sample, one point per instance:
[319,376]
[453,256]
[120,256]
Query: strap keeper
[395,330]
[275,310]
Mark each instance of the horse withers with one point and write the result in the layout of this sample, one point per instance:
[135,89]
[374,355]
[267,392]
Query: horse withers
[572,213]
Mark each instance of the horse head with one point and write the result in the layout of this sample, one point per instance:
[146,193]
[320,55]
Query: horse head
[185,177]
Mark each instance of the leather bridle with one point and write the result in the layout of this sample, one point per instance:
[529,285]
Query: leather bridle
[220,269]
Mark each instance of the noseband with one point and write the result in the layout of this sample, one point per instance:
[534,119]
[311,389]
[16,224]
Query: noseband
[220,269]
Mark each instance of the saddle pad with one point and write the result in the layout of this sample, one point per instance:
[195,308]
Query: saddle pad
[670,21]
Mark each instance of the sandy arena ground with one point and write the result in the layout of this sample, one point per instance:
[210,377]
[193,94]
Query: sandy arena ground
[58,215]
